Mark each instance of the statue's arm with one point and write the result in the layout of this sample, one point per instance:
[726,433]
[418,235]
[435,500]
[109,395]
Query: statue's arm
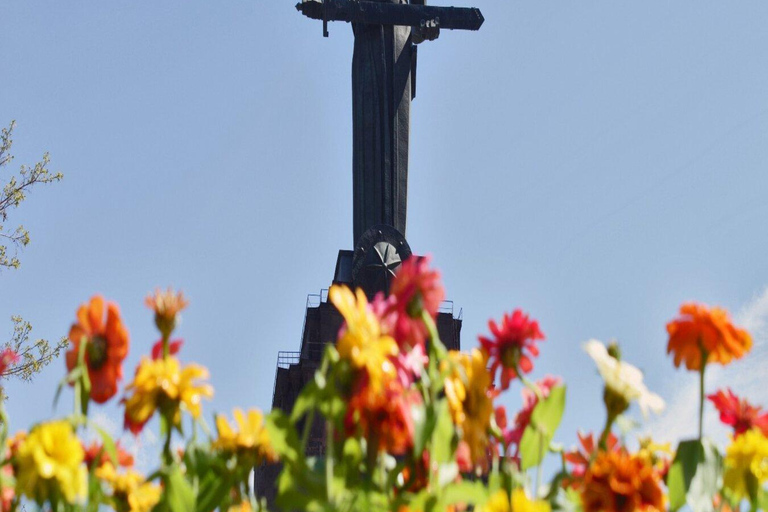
[429,31]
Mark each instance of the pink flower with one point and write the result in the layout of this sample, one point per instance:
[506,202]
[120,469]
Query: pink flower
[414,289]
[8,358]
[409,365]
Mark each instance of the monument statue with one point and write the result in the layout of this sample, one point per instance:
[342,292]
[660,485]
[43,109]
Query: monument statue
[383,84]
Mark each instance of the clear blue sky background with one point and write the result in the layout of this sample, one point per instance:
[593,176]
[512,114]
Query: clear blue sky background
[595,163]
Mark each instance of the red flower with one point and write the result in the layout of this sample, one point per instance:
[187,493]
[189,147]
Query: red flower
[383,417]
[415,288]
[96,454]
[8,358]
[173,346]
[106,346]
[512,346]
[738,413]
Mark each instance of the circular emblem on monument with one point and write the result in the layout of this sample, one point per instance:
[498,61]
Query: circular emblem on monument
[378,254]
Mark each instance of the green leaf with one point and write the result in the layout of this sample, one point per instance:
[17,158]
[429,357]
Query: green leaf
[538,434]
[178,495]
[107,443]
[762,500]
[424,421]
[306,401]
[213,489]
[694,476]
[443,435]
[284,439]
[473,493]
[548,412]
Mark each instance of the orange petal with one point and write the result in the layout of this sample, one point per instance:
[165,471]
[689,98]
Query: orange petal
[96,313]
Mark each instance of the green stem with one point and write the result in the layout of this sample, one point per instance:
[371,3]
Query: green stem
[701,402]
[329,461]
[539,467]
[83,384]
[167,456]
[609,419]
[166,345]
[703,367]
[530,385]
[309,418]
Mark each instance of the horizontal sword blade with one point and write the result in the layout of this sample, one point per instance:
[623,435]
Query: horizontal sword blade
[385,13]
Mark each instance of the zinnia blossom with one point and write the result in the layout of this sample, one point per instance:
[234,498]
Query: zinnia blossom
[512,346]
[623,380]
[96,455]
[50,461]
[130,491]
[518,502]
[166,305]
[106,346]
[581,457]
[739,413]
[467,389]
[746,459]
[415,288]
[699,328]
[8,358]
[361,340]
[163,384]
[383,416]
[249,437]
[619,482]
[657,455]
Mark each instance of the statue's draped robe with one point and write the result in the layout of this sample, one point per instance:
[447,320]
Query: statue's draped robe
[381,102]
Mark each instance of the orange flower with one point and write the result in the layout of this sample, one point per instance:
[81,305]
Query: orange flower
[699,328]
[96,455]
[580,458]
[619,482]
[106,346]
[383,416]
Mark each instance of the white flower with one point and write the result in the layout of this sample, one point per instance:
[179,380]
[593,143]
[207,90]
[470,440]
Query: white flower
[623,378]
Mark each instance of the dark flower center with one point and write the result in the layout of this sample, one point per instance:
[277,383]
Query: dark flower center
[509,356]
[97,352]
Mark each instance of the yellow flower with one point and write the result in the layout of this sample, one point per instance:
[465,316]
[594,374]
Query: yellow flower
[361,340]
[49,462]
[251,438]
[655,454]
[500,502]
[746,460]
[163,384]
[466,389]
[130,491]
[243,506]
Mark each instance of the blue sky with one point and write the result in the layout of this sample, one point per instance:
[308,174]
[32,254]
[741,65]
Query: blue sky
[595,163]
